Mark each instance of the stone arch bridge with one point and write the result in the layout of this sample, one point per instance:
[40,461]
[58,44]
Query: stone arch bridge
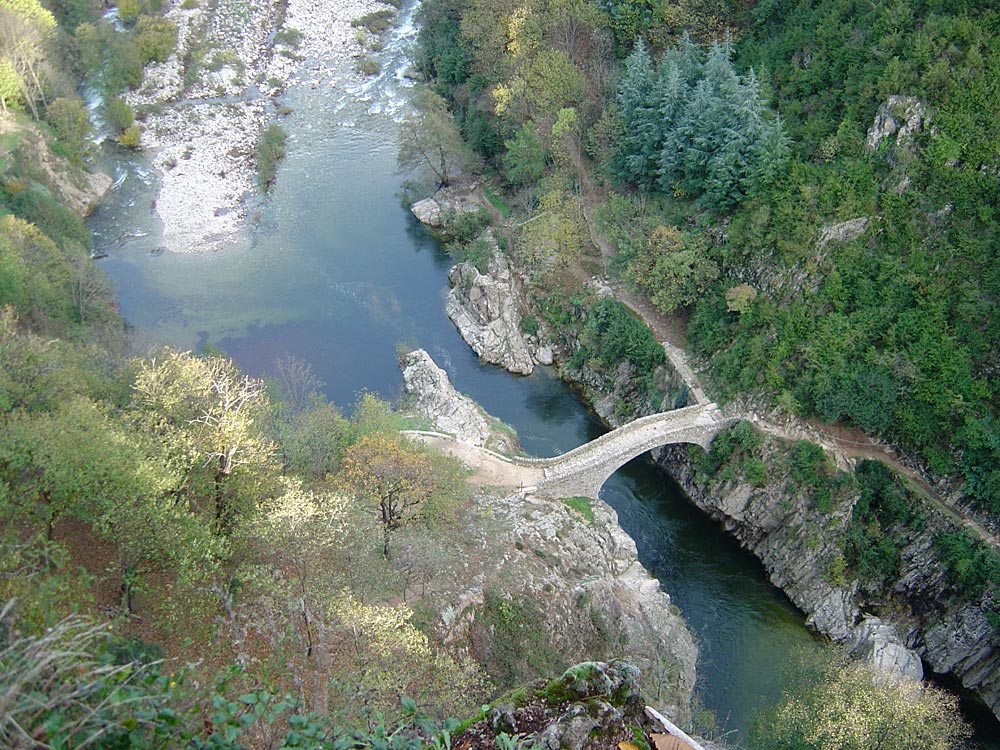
[582,471]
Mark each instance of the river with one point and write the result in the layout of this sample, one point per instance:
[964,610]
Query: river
[338,273]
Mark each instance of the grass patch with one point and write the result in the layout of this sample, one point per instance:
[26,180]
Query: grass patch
[270,151]
[376,22]
[582,506]
[497,201]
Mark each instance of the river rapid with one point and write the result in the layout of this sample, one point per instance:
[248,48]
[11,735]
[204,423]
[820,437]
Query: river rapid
[338,273]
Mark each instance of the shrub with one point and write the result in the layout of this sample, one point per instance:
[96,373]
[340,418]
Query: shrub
[464,226]
[128,11]
[157,38]
[376,22]
[119,115]
[970,564]
[36,204]
[130,137]
[616,334]
[69,119]
[270,151]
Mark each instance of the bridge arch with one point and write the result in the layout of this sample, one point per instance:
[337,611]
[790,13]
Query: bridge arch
[582,471]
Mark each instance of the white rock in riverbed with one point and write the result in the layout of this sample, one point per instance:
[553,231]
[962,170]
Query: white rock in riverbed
[427,211]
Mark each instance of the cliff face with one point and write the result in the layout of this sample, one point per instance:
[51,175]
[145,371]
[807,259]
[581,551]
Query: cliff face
[485,307]
[802,550]
[569,578]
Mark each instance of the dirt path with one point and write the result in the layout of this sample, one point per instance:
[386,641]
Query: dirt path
[487,470]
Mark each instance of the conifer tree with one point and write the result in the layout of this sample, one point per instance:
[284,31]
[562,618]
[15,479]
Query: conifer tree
[639,116]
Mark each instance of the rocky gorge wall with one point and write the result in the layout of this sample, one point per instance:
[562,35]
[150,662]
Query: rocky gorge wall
[802,550]
[578,568]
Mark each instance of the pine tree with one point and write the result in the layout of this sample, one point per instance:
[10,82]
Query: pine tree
[638,113]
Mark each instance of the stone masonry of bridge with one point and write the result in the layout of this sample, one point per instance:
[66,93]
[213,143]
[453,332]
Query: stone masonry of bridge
[582,471]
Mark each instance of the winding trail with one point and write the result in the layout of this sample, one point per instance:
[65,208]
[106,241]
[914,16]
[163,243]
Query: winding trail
[845,444]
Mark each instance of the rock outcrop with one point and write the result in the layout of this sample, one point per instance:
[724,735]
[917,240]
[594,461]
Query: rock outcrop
[72,186]
[598,599]
[844,231]
[878,643]
[435,398]
[900,116]
[592,706]
[448,201]
[923,618]
[485,309]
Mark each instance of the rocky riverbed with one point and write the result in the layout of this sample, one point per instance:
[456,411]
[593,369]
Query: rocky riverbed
[204,108]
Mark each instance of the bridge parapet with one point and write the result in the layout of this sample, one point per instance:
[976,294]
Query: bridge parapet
[583,470]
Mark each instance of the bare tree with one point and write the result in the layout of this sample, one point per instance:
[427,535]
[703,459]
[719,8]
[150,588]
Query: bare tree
[430,140]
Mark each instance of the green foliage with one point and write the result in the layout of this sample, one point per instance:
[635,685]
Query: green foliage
[876,535]
[119,114]
[463,227]
[130,137]
[69,118]
[510,641]
[978,446]
[376,22]
[73,686]
[270,151]
[583,506]
[892,332]
[479,252]
[525,159]
[971,565]
[156,38]
[110,57]
[735,447]
[839,704]
[36,204]
[613,333]
[430,140]
[128,11]
[314,439]
[695,128]
[807,462]
[71,13]
[673,268]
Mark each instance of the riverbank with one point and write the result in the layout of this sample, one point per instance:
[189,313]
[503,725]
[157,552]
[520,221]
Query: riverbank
[204,108]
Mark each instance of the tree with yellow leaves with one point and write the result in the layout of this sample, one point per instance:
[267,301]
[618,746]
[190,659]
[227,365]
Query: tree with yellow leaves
[401,481]
[26,29]
[849,706]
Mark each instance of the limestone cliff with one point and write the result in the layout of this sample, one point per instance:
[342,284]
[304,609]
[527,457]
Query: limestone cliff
[485,309]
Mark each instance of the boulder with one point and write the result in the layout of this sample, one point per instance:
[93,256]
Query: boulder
[427,211]
[877,642]
[448,201]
